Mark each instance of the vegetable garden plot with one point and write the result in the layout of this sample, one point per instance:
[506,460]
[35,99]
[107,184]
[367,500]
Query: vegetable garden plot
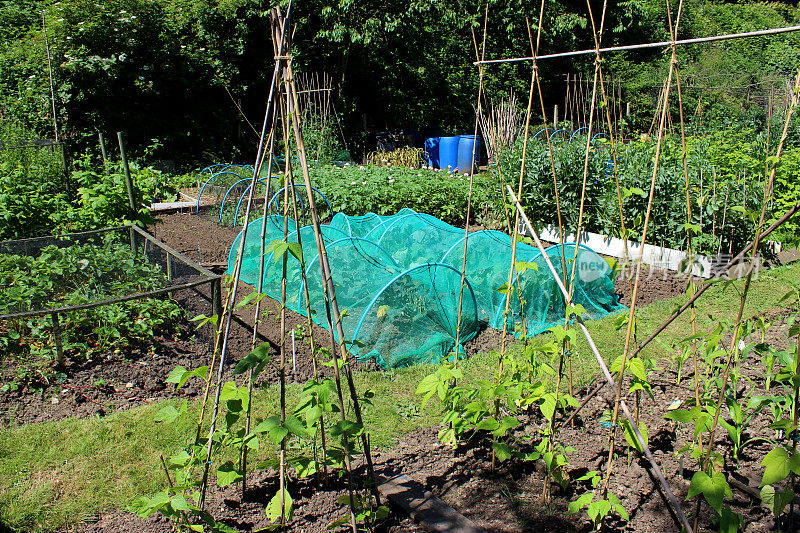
[93,284]
[399,279]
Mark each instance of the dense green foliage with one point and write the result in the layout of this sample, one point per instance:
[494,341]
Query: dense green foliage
[38,197]
[173,71]
[76,275]
[726,176]
[358,190]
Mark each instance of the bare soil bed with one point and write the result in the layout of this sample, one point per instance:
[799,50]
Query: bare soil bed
[508,499]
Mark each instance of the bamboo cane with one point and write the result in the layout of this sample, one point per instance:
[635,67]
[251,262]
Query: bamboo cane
[327,277]
[257,315]
[593,347]
[234,283]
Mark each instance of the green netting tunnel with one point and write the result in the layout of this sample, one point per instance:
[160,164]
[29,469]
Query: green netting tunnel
[399,279]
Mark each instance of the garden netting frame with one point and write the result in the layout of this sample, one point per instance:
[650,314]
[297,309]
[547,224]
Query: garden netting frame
[399,279]
[182,272]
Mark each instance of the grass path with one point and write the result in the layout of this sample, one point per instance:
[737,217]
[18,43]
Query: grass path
[56,474]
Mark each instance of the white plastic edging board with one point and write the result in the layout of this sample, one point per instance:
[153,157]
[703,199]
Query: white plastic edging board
[658,256]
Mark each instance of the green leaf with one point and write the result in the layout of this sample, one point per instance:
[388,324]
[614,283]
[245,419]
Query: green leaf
[202,319]
[273,427]
[179,503]
[502,450]
[179,376]
[505,289]
[249,299]
[776,466]
[791,294]
[583,501]
[714,488]
[273,509]
[168,415]
[339,522]
[345,426]
[144,506]
[599,509]
[256,359]
[729,522]
[295,426]
[630,435]
[296,250]
[776,500]
[278,249]
[548,405]
[636,366]
[684,415]
[522,266]
[488,424]
[227,474]
[305,466]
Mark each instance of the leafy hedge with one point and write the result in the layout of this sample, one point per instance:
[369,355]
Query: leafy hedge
[37,198]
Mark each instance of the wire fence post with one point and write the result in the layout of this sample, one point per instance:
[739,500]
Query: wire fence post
[128,181]
[169,271]
[57,339]
[103,151]
[216,296]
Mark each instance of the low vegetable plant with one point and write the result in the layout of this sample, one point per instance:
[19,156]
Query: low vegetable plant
[71,276]
[495,408]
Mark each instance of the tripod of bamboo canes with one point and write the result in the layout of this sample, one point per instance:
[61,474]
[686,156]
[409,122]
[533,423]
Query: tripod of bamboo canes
[333,314]
[228,309]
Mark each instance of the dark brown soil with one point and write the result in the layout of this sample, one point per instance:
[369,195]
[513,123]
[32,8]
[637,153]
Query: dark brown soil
[654,284]
[315,508]
[508,499]
[113,381]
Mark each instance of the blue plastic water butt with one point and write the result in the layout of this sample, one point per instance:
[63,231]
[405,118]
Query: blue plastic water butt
[466,145]
[448,152]
[432,151]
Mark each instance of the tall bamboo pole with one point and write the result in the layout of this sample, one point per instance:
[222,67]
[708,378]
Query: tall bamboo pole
[227,316]
[257,315]
[635,293]
[469,194]
[333,307]
[601,363]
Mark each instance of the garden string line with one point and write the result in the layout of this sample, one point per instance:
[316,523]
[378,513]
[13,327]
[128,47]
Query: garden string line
[659,44]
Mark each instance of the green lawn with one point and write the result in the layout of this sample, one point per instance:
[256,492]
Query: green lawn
[56,474]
